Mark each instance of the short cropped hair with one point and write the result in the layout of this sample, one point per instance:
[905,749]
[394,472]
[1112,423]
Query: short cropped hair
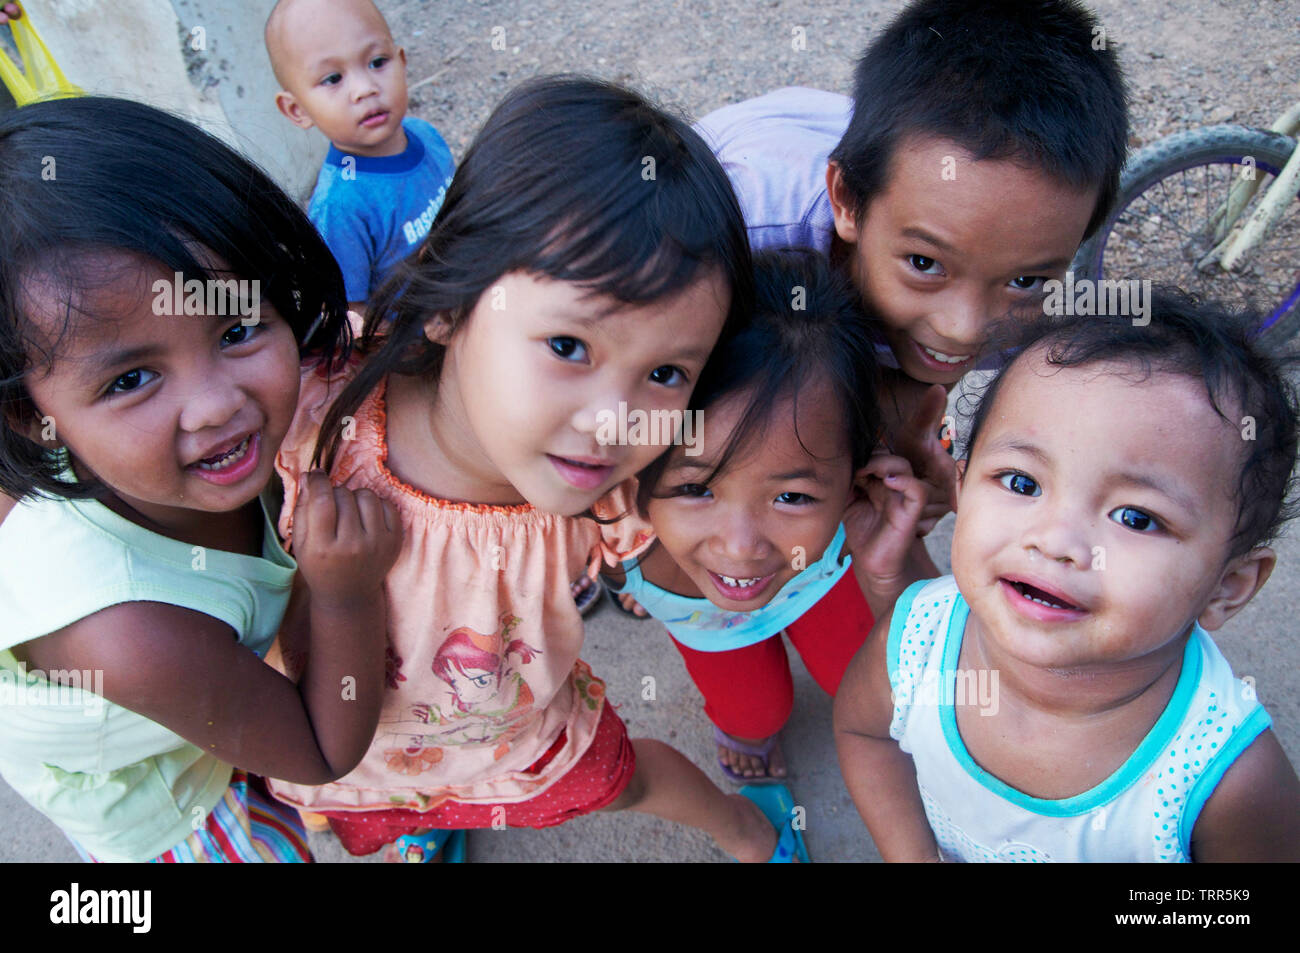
[1191,338]
[1032,80]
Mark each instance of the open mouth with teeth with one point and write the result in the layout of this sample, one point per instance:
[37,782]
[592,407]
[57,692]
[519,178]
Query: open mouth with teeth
[231,465]
[943,358]
[1039,603]
[226,458]
[738,588]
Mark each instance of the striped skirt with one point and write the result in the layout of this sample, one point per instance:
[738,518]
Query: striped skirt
[247,826]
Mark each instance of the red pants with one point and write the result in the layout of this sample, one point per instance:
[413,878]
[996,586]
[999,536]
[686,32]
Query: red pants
[749,693]
[595,782]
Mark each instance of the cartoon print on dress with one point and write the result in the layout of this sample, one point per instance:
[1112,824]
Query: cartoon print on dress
[485,702]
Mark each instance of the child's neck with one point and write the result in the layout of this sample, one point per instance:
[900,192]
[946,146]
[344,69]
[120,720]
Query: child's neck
[1081,693]
[1055,734]
[235,532]
[431,446]
[392,146]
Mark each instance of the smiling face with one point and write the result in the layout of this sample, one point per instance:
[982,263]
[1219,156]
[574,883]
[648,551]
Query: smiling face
[531,377]
[942,257]
[174,413]
[737,538]
[1095,517]
[342,72]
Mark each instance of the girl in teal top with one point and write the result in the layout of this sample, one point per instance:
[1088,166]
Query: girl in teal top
[157,294]
[760,516]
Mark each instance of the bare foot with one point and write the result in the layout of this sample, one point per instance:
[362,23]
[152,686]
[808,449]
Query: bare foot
[9,11]
[751,765]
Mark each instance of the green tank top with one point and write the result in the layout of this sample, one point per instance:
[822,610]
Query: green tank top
[121,785]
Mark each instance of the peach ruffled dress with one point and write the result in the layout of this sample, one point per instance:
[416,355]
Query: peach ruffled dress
[483,635]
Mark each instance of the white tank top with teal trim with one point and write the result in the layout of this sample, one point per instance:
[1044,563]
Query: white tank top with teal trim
[698,624]
[1143,812]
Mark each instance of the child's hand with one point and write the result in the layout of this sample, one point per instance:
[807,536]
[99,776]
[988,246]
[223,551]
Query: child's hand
[920,443]
[9,11]
[880,524]
[344,542]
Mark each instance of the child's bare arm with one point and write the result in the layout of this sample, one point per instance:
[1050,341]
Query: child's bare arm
[1254,812]
[880,776]
[187,671]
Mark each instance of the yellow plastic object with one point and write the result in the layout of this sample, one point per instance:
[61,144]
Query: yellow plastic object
[39,77]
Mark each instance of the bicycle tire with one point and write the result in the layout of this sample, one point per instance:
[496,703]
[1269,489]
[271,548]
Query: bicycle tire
[1176,155]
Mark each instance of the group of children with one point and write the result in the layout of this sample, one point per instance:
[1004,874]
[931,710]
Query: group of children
[809,274]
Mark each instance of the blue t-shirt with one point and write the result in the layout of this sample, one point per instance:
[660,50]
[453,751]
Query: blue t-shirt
[373,212]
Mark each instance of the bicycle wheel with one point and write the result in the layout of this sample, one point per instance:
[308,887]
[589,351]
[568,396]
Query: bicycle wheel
[1164,224]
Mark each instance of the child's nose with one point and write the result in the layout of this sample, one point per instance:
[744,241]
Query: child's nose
[364,85]
[738,537]
[598,415]
[212,404]
[962,317]
[1060,533]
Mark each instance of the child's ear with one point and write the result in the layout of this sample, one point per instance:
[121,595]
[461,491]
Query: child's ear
[438,329]
[292,110]
[1242,578]
[843,204]
[960,464]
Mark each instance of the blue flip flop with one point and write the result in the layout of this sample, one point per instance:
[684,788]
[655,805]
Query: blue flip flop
[451,843]
[777,804]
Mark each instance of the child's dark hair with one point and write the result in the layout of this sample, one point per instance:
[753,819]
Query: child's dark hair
[808,327]
[573,179]
[1190,338]
[92,175]
[1005,79]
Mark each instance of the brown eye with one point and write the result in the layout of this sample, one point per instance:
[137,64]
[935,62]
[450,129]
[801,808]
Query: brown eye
[1134,519]
[570,349]
[131,380]
[667,375]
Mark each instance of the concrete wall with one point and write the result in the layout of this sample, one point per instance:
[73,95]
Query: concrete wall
[145,50]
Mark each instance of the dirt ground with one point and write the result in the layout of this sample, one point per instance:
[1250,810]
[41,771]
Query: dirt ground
[1189,63]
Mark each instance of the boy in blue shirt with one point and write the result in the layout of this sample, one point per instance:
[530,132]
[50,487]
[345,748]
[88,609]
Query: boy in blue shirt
[386,174]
